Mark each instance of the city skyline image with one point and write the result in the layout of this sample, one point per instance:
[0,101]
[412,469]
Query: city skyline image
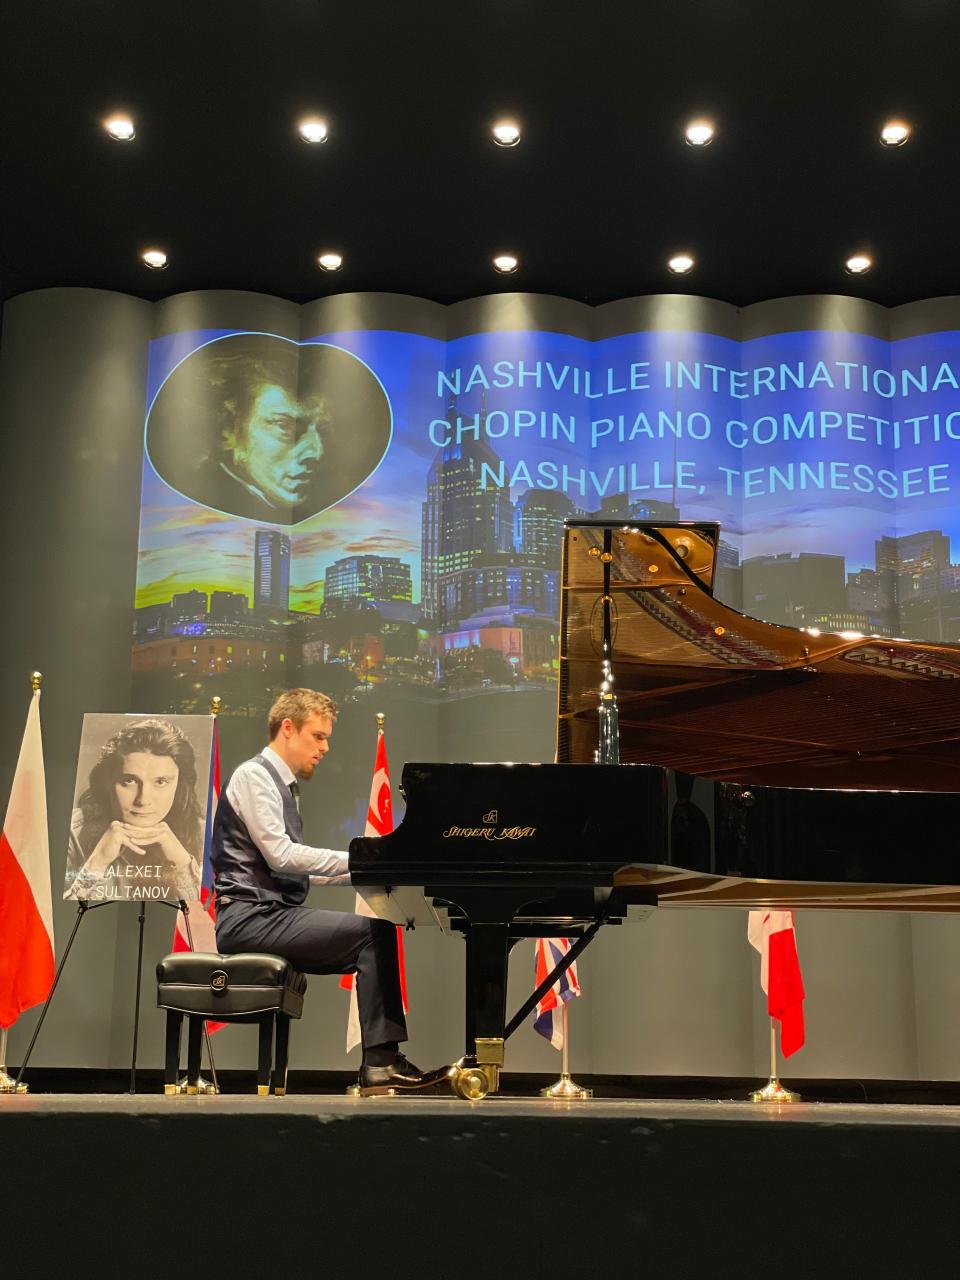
[439,574]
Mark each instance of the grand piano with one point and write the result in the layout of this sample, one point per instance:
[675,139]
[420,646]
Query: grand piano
[704,759]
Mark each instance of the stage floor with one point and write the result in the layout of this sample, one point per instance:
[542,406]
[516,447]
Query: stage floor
[441,1189]
[326,1106]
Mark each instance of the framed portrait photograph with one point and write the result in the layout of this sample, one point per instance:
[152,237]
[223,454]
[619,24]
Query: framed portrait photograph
[139,808]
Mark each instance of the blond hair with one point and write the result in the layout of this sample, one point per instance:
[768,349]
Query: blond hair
[299,705]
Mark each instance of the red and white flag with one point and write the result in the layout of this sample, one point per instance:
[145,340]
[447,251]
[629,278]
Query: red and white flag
[26,906]
[379,823]
[773,934]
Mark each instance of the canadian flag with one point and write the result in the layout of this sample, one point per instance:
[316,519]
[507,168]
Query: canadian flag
[26,906]
[379,823]
[773,934]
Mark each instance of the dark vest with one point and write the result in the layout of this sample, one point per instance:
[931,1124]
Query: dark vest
[242,872]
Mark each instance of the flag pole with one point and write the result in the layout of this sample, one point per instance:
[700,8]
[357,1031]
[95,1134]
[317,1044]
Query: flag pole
[7,1082]
[773,1090]
[203,1085]
[207,1086]
[566,1089]
[353,1090]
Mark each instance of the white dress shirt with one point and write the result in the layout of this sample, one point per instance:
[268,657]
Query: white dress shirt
[255,798]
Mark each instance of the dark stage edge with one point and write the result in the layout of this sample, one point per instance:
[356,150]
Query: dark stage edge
[329,1186]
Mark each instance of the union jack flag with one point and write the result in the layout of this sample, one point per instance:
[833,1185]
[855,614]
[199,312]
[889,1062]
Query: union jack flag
[546,1019]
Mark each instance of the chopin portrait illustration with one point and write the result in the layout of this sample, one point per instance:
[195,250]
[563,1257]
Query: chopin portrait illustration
[264,428]
[140,807]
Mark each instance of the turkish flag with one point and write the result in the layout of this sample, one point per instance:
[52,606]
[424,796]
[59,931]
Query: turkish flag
[379,823]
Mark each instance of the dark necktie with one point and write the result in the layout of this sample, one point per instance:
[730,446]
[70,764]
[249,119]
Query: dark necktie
[295,792]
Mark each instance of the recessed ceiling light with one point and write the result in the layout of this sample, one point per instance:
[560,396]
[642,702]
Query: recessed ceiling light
[156,259]
[312,129]
[680,264]
[330,261]
[506,133]
[857,264]
[895,133]
[120,128]
[506,263]
[699,133]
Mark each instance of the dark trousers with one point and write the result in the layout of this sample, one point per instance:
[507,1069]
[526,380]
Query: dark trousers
[318,941]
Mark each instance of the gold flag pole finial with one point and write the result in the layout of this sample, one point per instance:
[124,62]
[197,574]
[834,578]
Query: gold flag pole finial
[216,706]
[36,679]
[380,719]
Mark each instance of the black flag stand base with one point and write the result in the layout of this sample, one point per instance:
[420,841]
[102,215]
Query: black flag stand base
[83,907]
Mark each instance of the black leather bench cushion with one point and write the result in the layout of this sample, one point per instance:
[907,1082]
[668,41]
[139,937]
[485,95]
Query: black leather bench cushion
[224,987]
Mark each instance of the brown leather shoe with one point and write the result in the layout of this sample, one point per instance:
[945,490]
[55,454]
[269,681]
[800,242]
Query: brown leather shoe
[400,1077]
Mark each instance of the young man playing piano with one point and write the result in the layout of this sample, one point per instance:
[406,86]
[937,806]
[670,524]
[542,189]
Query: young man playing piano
[263,871]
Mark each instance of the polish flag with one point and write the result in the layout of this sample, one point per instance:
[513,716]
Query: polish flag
[773,934]
[26,906]
[379,823]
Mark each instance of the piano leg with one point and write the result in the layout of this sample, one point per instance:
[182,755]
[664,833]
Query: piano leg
[487,916]
[488,946]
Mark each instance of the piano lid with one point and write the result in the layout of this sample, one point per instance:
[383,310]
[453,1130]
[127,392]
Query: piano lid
[706,690]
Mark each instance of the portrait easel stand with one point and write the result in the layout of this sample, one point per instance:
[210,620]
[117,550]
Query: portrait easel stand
[83,908]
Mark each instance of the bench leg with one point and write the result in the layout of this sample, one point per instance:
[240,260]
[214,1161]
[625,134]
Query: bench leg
[280,1064]
[171,1068]
[194,1033]
[266,1055]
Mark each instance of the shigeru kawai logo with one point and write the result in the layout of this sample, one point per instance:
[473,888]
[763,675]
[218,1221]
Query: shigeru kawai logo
[489,831]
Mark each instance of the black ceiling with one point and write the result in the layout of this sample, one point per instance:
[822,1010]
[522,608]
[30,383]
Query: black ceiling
[409,186]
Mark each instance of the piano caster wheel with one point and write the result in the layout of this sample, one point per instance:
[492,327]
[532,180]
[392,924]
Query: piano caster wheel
[471,1083]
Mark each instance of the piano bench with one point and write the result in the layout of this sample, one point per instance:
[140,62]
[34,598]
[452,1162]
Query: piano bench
[248,987]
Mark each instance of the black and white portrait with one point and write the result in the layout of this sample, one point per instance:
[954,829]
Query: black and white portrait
[140,805]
